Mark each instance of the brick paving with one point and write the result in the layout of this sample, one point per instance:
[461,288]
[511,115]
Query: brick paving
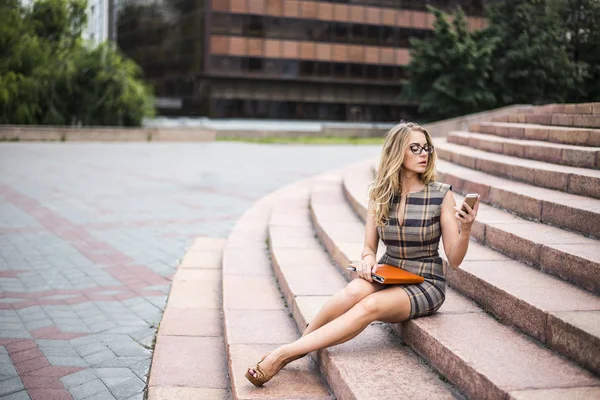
[90,236]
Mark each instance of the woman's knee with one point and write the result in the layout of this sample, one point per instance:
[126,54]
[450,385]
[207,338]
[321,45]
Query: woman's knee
[388,306]
[370,306]
[356,290]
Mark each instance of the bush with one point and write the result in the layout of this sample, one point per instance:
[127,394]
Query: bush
[49,76]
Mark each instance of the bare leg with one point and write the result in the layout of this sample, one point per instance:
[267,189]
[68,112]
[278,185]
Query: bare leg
[391,305]
[341,302]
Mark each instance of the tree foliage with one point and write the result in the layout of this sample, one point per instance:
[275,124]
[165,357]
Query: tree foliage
[49,76]
[450,73]
[532,52]
[578,21]
[531,64]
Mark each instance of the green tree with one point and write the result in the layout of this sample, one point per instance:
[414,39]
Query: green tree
[20,54]
[531,64]
[579,21]
[60,22]
[450,72]
[49,76]
[106,91]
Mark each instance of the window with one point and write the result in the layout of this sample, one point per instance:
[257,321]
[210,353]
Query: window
[274,28]
[356,32]
[220,23]
[372,36]
[372,72]
[253,26]
[323,69]
[340,32]
[340,70]
[387,72]
[307,68]
[255,64]
[356,71]
[290,68]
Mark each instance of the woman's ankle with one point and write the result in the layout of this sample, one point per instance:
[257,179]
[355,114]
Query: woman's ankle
[284,354]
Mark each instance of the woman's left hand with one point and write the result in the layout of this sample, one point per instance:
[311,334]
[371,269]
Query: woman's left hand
[466,219]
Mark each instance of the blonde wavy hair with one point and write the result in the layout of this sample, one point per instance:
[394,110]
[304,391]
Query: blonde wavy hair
[388,182]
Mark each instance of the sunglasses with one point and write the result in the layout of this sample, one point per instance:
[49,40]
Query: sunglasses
[417,149]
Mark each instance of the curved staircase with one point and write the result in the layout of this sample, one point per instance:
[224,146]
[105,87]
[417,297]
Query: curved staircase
[521,318]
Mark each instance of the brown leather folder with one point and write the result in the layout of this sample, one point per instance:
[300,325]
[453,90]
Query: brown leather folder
[390,275]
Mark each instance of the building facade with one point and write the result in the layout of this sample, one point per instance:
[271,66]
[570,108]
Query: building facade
[99,18]
[337,60]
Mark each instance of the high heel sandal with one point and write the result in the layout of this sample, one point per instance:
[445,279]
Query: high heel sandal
[261,378]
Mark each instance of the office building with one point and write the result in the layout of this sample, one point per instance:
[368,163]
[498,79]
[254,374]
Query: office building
[334,60]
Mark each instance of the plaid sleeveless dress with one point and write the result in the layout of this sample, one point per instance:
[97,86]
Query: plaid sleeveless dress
[414,245]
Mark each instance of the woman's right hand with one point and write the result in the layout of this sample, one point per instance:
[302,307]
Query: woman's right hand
[366,267]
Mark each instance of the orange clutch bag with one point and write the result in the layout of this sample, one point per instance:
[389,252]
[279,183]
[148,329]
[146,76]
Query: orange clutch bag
[390,275]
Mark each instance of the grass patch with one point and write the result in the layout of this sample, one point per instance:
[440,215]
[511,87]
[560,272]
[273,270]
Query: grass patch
[305,140]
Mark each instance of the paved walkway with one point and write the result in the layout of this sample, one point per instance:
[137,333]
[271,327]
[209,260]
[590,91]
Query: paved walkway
[90,236]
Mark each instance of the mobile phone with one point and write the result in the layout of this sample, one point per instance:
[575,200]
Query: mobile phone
[470,199]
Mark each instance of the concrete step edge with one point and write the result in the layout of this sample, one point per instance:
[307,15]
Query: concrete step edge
[168,379]
[417,330]
[591,121]
[569,108]
[537,127]
[560,209]
[554,153]
[546,326]
[251,329]
[578,181]
[563,210]
[560,260]
[337,366]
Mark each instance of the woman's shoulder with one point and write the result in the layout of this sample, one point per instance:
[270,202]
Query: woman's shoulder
[440,187]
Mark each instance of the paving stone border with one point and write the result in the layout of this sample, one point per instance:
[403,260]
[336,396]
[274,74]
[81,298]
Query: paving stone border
[189,357]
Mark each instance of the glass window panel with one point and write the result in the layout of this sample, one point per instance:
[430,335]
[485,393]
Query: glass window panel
[255,64]
[340,32]
[322,31]
[387,72]
[340,70]
[290,68]
[323,69]
[356,71]
[387,36]
[356,32]
[237,24]
[254,26]
[372,34]
[372,71]
[275,27]
[307,68]
[294,29]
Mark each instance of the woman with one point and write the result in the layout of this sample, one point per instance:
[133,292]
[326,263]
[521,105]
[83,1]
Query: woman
[409,211]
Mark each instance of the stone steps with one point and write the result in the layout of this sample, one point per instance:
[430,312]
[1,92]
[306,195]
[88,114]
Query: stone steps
[571,120]
[504,286]
[556,153]
[482,357]
[376,364]
[537,130]
[568,255]
[567,211]
[255,316]
[188,358]
[579,181]
[572,109]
